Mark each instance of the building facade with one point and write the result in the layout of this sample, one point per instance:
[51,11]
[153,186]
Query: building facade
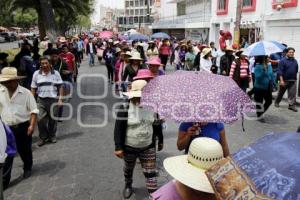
[138,15]
[185,19]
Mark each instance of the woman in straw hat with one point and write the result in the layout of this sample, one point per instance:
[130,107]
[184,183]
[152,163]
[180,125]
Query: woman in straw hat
[240,71]
[134,66]
[133,136]
[152,50]
[125,55]
[188,171]
[205,60]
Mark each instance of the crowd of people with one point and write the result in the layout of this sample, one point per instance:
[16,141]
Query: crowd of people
[32,83]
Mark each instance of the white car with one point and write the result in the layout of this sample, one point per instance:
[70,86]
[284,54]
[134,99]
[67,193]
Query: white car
[2,39]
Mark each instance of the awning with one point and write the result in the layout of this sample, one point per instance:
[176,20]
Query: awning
[176,1]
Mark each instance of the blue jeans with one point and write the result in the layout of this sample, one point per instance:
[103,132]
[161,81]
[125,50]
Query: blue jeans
[91,58]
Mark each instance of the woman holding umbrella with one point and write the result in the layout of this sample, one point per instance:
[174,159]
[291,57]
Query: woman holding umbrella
[263,85]
[133,137]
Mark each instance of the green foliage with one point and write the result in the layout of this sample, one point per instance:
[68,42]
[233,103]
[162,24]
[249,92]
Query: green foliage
[25,18]
[68,13]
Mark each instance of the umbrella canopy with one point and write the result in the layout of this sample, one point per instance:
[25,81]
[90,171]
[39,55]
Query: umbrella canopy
[106,34]
[160,35]
[263,48]
[267,169]
[186,96]
[138,36]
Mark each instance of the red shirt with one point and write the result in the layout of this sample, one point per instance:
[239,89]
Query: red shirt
[69,59]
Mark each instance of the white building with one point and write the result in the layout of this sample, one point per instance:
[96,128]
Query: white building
[264,19]
[185,19]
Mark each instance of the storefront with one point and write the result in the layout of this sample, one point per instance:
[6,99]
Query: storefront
[200,35]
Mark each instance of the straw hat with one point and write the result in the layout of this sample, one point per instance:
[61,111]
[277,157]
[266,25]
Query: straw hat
[62,39]
[127,53]
[136,89]
[135,56]
[116,42]
[190,169]
[143,74]
[151,42]
[206,51]
[240,51]
[154,61]
[229,48]
[9,74]
[118,50]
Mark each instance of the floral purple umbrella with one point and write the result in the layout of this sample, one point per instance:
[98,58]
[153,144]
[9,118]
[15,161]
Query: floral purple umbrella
[196,97]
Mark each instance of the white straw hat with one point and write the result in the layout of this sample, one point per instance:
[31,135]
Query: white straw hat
[136,89]
[205,51]
[190,169]
[9,74]
[135,56]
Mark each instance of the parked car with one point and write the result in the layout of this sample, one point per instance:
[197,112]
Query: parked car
[2,39]
[9,36]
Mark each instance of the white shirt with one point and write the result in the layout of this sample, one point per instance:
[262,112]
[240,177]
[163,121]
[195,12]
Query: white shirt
[91,48]
[46,84]
[3,143]
[18,108]
[219,54]
[205,64]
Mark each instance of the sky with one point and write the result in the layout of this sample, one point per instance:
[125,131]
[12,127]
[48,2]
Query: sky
[108,3]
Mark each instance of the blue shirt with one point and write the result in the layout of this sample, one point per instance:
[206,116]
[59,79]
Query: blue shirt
[288,68]
[263,77]
[211,130]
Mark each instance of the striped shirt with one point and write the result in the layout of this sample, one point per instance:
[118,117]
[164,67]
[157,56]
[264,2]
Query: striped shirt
[244,69]
[46,84]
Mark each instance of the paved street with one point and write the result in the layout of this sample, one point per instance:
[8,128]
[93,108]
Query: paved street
[82,166]
[8,45]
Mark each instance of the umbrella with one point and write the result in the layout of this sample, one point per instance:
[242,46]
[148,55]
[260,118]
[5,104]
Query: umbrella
[138,36]
[106,34]
[263,48]
[267,169]
[186,96]
[160,35]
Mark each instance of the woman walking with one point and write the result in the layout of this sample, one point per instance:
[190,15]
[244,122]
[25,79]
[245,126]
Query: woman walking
[164,53]
[263,85]
[108,56]
[205,61]
[133,136]
[152,50]
[240,71]
[133,67]
[189,59]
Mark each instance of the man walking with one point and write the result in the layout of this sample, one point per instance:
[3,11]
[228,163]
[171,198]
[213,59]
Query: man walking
[19,111]
[287,71]
[47,84]
[91,51]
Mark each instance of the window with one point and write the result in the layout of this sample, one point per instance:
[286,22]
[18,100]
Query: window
[130,20]
[181,8]
[136,19]
[127,4]
[285,3]
[131,3]
[127,12]
[222,7]
[136,12]
[141,11]
[249,5]
[141,19]
[136,3]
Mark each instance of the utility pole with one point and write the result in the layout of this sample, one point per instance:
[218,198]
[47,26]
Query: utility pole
[238,22]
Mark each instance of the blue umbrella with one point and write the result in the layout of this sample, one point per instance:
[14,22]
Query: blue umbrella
[263,48]
[138,36]
[281,46]
[160,35]
[267,169]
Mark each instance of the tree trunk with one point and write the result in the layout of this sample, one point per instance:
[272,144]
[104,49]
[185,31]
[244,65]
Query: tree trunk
[48,19]
[41,26]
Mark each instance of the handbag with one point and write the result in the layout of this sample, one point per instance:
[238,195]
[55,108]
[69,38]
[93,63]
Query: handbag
[11,148]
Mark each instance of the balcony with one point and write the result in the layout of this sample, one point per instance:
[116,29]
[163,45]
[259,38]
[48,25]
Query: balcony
[191,20]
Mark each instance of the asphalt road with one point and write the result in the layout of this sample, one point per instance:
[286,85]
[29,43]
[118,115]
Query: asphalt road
[82,166]
[8,45]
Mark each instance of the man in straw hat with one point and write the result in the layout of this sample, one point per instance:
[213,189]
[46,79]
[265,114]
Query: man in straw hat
[19,111]
[226,61]
[47,85]
[134,138]
[191,182]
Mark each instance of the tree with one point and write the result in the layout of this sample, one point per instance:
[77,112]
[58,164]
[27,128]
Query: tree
[54,16]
